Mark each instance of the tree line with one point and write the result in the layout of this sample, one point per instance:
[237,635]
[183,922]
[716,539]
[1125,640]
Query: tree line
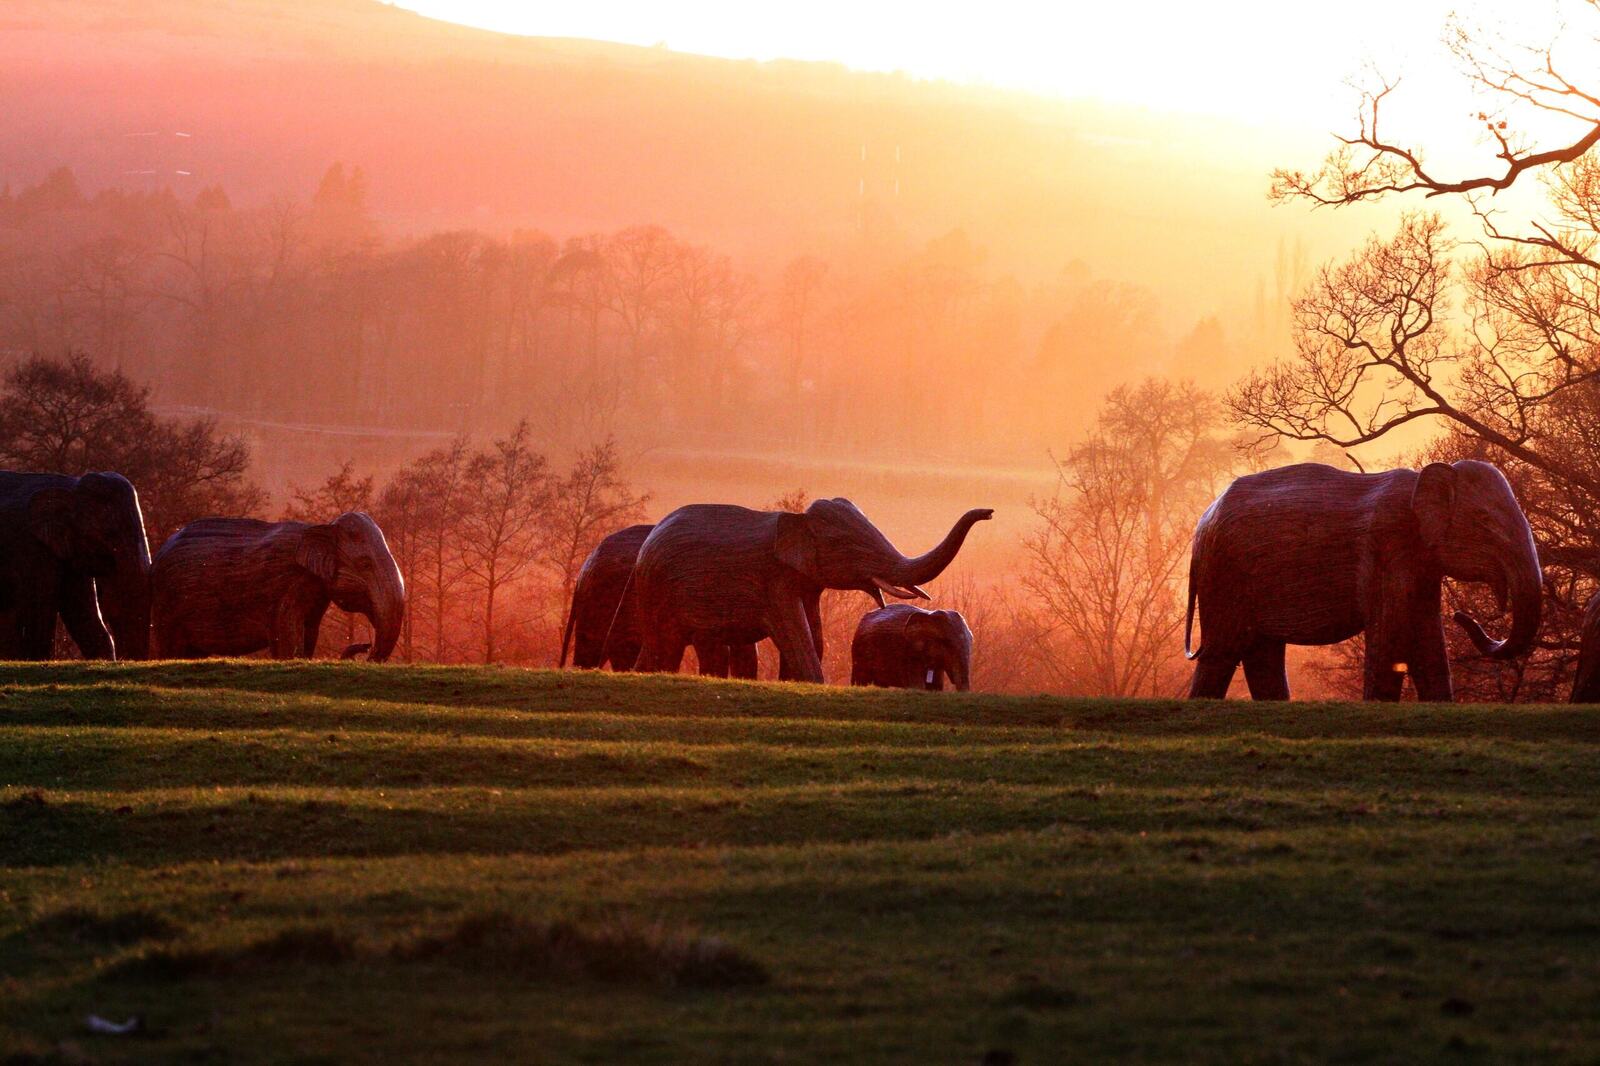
[307,311]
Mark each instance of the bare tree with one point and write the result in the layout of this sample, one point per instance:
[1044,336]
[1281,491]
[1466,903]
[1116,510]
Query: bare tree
[503,519]
[590,502]
[434,492]
[1106,561]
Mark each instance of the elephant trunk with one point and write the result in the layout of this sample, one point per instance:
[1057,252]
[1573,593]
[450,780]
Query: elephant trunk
[388,614]
[915,571]
[1523,579]
[125,606]
[960,671]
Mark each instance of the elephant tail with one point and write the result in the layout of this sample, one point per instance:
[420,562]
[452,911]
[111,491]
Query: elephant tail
[566,634]
[1188,621]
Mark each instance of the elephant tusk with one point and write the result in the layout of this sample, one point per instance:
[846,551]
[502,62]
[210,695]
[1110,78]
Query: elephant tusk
[899,592]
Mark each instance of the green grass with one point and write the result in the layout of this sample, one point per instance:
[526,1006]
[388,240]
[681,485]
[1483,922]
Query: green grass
[355,863]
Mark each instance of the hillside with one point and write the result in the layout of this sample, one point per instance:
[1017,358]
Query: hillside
[372,864]
[464,127]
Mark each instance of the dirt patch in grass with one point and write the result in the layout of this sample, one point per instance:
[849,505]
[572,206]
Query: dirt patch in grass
[92,926]
[612,952]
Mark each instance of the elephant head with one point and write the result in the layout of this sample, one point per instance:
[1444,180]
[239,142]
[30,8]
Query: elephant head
[97,528]
[352,559]
[833,545]
[1469,518]
[943,639]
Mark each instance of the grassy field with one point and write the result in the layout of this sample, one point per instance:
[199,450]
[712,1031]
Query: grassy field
[355,863]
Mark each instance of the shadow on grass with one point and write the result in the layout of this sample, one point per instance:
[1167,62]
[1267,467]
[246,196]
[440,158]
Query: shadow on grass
[260,828]
[617,951]
[580,692]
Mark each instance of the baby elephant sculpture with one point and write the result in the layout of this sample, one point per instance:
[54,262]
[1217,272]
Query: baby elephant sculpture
[233,586]
[1310,554]
[901,646]
[603,623]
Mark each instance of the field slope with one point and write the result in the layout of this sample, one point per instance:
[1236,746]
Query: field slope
[348,863]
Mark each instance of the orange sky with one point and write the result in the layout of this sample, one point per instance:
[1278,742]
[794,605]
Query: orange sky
[1280,63]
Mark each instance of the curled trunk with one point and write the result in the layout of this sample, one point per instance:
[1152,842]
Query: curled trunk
[1523,579]
[923,568]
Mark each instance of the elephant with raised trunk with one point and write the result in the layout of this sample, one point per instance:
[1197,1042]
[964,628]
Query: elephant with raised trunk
[233,586]
[902,646]
[735,576]
[73,548]
[603,623]
[1310,554]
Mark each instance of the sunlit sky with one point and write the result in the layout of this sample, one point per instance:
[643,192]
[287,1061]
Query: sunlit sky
[1283,62]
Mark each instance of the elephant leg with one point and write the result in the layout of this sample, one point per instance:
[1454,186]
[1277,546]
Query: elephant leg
[797,650]
[588,651]
[312,626]
[1429,664]
[1213,673]
[80,613]
[662,652]
[1264,671]
[1384,671]
[1402,605]
[713,656]
[742,661]
[288,630]
[814,620]
[624,655]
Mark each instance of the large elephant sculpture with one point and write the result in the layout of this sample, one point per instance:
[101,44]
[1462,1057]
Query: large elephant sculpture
[734,575]
[603,622]
[1586,685]
[1310,554]
[902,646]
[233,586]
[73,548]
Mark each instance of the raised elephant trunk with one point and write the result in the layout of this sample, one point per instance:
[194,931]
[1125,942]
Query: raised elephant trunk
[1523,580]
[915,571]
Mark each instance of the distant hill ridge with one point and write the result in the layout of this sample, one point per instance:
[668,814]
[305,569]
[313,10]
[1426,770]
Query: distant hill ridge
[465,127]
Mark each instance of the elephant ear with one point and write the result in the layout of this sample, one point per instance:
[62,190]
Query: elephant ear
[795,545]
[1433,501]
[51,514]
[319,552]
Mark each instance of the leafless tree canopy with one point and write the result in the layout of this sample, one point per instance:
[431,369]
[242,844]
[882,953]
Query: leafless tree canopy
[1496,341]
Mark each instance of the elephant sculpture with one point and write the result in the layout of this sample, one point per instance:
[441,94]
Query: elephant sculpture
[735,576]
[603,624]
[233,586]
[73,548]
[1586,685]
[902,646]
[1310,554]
